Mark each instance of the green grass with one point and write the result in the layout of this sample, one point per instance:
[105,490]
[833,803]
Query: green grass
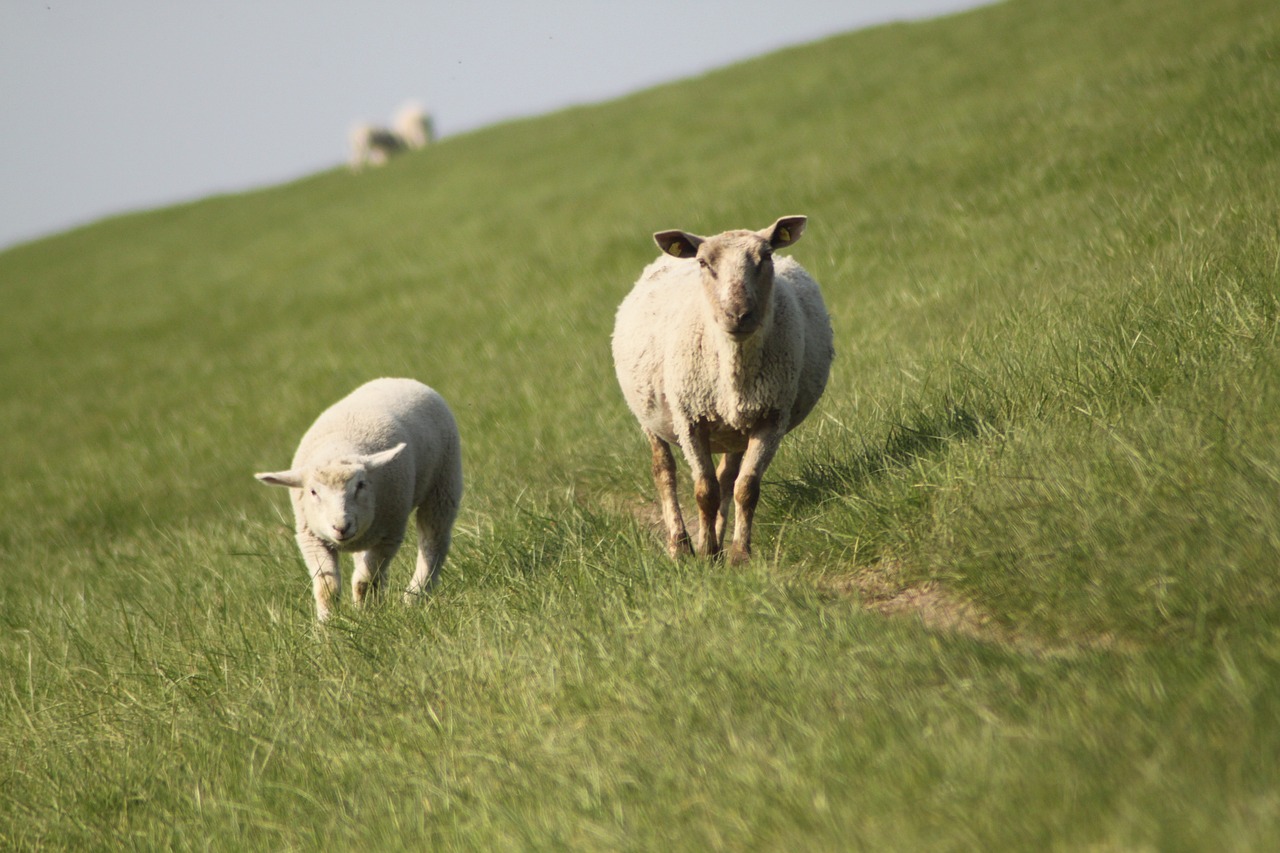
[1047,234]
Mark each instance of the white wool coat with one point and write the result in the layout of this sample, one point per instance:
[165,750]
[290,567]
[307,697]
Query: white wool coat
[375,417]
[675,365]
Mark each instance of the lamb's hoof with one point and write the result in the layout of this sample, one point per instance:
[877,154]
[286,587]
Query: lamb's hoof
[359,591]
[680,548]
[737,555]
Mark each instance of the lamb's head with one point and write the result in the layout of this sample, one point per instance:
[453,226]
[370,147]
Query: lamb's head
[338,500]
[737,270]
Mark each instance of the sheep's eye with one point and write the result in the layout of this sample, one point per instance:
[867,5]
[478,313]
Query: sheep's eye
[359,486]
[702,262]
[313,494]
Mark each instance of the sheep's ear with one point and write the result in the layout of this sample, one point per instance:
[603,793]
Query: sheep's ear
[678,244]
[785,231]
[291,479]
[374,460]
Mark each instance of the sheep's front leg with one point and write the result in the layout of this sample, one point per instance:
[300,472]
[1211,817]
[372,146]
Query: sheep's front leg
[726,475]
[761,447]
[664,477]
[706,488]
[435,532]
[371,571]
[322,565]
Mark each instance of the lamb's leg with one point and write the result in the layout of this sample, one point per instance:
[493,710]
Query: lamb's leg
[322,565]
[664,477]
[727,474]
[435,532]
[371,571]
[761,448]
[706,488]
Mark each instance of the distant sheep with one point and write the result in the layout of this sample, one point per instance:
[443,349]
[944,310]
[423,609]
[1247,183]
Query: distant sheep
[412,128]
[372,146]
[719,348]
[388,449]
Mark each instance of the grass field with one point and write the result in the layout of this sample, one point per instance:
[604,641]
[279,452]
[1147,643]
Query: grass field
[1017,582]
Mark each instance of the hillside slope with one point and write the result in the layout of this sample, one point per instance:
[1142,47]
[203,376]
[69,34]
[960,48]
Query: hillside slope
[1047,235]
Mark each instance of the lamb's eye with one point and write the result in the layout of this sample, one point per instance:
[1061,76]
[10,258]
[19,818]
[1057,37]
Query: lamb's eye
[702,262]
[313,494]
[359,486]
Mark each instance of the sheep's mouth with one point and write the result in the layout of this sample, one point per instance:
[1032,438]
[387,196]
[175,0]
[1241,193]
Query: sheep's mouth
[741,326]
[741,331]
[343,538]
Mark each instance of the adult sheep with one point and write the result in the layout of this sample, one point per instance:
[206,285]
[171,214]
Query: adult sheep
[388,449]
[720,348]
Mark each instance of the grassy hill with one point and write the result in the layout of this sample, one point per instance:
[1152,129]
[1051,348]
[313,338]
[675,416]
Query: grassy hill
[1017,582]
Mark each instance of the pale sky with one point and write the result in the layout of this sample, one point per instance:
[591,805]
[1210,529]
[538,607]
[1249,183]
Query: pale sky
[110,106]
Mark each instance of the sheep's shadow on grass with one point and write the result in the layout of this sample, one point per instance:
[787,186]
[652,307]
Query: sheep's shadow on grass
[927,434]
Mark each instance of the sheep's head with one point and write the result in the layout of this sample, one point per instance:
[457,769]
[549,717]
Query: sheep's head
[338,500]
[737,270]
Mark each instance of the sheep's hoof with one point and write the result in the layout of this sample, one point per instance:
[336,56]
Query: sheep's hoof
[358,592]
[680,547]
[737,555]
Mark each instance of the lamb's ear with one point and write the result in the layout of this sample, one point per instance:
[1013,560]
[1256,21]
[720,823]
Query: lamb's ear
[678,244]
[291,479]
[374,460]
[785,231]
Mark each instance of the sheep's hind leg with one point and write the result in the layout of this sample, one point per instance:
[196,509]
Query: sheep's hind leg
[706,488]
[761,448]
[664,477]
[435,533]
[370,575]
[727,475]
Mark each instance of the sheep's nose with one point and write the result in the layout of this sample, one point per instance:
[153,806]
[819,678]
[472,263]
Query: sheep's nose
[744,319]
[341,530]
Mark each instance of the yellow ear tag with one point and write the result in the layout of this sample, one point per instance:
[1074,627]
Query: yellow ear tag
[784,235]
[676,249]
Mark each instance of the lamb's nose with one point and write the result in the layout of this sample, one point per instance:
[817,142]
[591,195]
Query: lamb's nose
[341,530]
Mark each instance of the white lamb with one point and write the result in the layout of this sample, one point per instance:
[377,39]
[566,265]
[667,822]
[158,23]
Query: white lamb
[721,349]
[372,146]
[389,448]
